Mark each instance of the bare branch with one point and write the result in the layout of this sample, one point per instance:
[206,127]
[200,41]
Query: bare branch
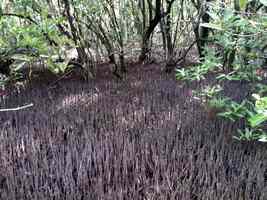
[16,109]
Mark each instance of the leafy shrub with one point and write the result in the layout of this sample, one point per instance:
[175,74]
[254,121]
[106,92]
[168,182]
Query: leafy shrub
[24,46]
[240,41]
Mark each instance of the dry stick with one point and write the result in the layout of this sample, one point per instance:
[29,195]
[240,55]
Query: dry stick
[182,57]
[59,79]
[16,109]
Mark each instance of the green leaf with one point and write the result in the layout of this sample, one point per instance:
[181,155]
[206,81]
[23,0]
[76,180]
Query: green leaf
[18,66]
[261,104]
[214,15]
[228,14]
[264,2]
[257,119]
[21,57]
[212,26]
[263,138]
[242,4]
[256,96]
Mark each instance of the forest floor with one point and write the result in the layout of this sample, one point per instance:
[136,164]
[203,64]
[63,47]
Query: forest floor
[144,137]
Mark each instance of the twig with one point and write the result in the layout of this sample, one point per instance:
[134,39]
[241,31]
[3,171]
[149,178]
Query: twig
[224,8]
[59,79]
[182,57]
[19,16]
[16,109]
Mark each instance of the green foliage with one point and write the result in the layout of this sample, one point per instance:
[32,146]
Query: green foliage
[255,115]
[249,135]
[235,111]
[261,89]
[27,36]
[96,29]
[242,4]
[218,103]
[241,40]
[209,92]
[241,34]
[211,98]
[210,64]
[264,2]
[239,75]
[260,115]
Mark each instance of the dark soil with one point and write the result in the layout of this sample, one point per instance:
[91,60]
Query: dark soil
[141,138]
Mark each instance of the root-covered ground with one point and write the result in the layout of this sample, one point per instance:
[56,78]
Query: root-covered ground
[141,138]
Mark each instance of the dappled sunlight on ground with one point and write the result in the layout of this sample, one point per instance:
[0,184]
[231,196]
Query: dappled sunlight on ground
[78,100]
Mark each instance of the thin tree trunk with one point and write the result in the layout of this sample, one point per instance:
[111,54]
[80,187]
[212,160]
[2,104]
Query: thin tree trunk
[152,25]
[203,32]
[170,64]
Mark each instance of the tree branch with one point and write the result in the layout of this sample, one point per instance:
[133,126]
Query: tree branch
[16,109]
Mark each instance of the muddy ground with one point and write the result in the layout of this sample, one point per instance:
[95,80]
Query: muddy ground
[141,138]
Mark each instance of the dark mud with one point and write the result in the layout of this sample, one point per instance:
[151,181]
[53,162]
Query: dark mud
[141,138]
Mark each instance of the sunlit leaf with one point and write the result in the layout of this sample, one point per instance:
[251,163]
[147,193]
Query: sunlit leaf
[242,4]
[19,66]
[263,138]
[264,2]
[228,13]
[212,26]
[21,57]
[213,15]
[257,119]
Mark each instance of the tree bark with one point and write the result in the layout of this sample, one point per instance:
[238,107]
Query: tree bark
[152,25]
[203,33]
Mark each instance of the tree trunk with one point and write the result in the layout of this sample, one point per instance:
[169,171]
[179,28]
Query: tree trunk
[122,62]
[203,33]
[170,64]
[152,25]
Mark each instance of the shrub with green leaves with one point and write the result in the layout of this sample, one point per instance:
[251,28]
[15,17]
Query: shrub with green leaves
[26,41]
[255,115]
[236,51]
